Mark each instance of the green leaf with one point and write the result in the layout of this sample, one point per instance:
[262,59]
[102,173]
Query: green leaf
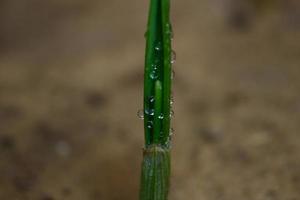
[158,71]
[155,175]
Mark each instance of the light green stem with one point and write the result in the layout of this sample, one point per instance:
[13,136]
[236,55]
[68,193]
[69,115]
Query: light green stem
[155,177]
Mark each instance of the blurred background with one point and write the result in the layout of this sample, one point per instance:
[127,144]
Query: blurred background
[71,81]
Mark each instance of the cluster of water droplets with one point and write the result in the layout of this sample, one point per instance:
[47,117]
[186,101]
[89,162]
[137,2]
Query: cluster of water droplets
[169,139]
[154,75]
[173,60]
[150,112]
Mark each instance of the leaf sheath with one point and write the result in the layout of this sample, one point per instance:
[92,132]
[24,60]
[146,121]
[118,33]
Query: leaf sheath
[155,177]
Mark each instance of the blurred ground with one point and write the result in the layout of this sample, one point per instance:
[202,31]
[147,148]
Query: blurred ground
[71,76]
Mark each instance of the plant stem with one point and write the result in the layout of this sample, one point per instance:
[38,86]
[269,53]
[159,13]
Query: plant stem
[155,175]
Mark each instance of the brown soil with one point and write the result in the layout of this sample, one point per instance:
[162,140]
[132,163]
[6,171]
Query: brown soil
[71,76]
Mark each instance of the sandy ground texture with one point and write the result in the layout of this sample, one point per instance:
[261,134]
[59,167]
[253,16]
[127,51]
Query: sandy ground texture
[71,75]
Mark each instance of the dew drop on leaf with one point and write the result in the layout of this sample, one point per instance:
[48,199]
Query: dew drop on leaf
[161,116]
[158,46]
[153,75]
[150,125]
[171,132]
[173,57]
[149,112]
[151,99]
[154,66]
[172,113]
[171,100]
[140,114]
[172,74]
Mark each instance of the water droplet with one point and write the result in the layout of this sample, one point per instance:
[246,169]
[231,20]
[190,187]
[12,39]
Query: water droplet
[172,113]
[150,124]
[171,132]
[168,142]
[158,46]
[172,35]
[171,100]
[172,74]
[149,112]
[168,27]
[169,31]
[173,57]
[155,66]
[140,114]
[161,116]
[154,74]
[151,99]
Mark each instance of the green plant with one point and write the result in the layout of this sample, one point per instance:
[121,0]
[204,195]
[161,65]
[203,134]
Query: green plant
[157,103]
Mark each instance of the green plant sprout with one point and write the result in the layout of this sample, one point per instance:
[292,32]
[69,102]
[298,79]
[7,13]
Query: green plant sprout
[157,113]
